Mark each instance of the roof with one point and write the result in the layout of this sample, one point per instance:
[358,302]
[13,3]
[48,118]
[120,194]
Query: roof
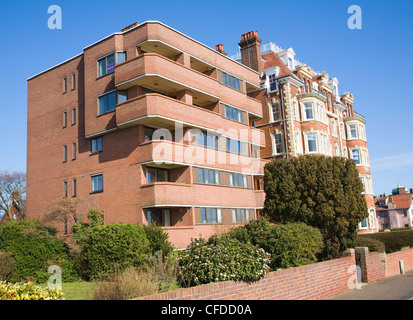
[399,200]
[273,60]
[402,200]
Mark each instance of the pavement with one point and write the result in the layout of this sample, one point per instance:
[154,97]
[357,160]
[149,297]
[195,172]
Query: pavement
[393,288]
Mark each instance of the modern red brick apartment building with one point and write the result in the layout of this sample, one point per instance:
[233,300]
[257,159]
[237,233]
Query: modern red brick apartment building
[93,134]
[304,114]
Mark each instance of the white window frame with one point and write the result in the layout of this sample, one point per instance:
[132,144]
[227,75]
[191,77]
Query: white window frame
[307,146]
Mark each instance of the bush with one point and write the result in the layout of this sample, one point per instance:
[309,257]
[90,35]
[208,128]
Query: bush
[28,291]
[158,240]
[373,244]
[221,259]
[129,284]
[34,247]
[110,248]
[393,241]
[6,266]
[290,245]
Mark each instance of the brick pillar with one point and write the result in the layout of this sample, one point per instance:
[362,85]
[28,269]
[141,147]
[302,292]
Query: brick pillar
[372,264]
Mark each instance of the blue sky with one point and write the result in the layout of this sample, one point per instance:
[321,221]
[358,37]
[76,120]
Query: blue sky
[373,63]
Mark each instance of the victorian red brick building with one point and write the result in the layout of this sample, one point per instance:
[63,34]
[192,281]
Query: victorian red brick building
[305,114]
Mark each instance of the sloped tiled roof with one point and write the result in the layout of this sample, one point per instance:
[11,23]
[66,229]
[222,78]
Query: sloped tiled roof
[273,60]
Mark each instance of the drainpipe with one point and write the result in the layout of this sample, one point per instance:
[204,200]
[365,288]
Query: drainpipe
[283,119]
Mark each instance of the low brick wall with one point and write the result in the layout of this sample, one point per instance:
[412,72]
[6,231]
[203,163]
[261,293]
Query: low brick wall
[311,282]
[372,265]
[393,262]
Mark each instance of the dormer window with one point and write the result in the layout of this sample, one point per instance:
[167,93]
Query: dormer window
[272,82]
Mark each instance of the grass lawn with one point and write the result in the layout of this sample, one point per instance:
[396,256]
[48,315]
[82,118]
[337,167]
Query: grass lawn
[81,290]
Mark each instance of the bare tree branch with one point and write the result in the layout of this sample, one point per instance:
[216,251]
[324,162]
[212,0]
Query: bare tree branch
[13,193]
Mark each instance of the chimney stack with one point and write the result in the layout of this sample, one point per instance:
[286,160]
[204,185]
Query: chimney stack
[250,46]
[220,48]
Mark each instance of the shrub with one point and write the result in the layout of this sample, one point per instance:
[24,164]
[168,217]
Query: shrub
[129,284]
[34,247]
[221,259]
[158,240]
[114,247]
[6,266]
[28,291]
[372,244]
[290,245]
[394,240]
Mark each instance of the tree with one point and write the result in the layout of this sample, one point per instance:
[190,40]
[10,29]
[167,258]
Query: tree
[12,194]
[323,192]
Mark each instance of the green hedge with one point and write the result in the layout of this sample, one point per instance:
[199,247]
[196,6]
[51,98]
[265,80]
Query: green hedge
[34,247]
[394,240]
[111,248]
[290,245]
[373,244]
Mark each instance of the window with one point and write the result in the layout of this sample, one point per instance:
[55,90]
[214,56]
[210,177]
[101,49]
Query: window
[383,214]
[73,81]
[312,142]
[156,175]
[73,150]
[64,153]
[64,85]
[206,139]
[236,146]
[64,119]
[73,115]
[97,183]
[353,131]
[106,64]
[97,145]
[240,215]
[74,187]
[320,110]
[238,180]
[364,224]
[65,188]
[231,81]
[233,114]
[211,215]
[355,155]
[276,112]
[296,113]
[108,101]
[208,176]
[273,82]
[343,132]
[333,128]
[298,141]
[309,112]
[160,217]
[278,146]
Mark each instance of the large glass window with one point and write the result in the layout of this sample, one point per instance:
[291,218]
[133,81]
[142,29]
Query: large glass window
[236,146]
[231,81]
[278,146]
[233,114]
[97,183]
[156,175]
[107,102]
[238,180]
[107,64]
[353,131]
[96,145]
[308,111]
[240,215]
[276,112]
[208,176]
[312,142]
[210,215]
[355,155]
[159,217]
[273,82]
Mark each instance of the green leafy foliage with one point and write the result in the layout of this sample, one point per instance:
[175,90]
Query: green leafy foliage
[393,241]
[112,248]
[322,192]
[373,244]
[34,247]
[158,240]
[28,291]
[221,259]
[290,245]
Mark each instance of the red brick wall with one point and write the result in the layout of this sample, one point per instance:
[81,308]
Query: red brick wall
[311,282]
[393,262]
